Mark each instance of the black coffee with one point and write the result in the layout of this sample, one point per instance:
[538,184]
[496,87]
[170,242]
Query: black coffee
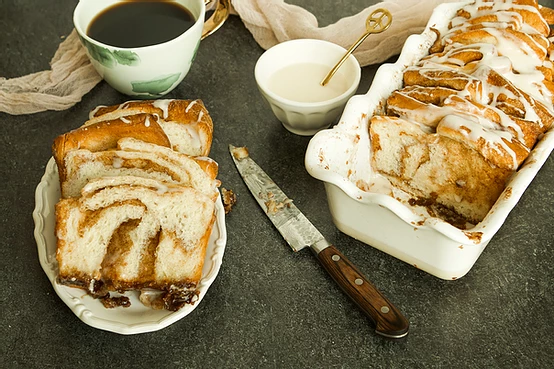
[140,23]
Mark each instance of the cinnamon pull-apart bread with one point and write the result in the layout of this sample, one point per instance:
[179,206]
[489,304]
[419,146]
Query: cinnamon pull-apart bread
[469,113]
[136,214]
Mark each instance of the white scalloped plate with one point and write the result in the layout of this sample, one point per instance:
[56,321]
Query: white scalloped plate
[137,318]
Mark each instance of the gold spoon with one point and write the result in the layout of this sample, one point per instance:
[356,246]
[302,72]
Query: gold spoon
[377,22]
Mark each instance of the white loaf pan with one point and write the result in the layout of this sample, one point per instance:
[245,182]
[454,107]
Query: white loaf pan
[340,157]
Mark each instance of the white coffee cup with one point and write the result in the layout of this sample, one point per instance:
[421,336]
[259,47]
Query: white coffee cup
[150,71]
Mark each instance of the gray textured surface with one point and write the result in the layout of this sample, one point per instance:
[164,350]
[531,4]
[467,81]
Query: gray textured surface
[268,307]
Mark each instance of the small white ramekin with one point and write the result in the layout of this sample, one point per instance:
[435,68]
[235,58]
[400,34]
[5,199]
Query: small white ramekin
[306,118]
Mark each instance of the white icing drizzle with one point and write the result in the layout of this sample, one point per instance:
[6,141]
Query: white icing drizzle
[125,120]
[524,58]
[189,106]
[529,111]
[117,162]
[193,132]
[509,54]
[163,105]
[147,121]
[124,105]
[200,115]
[517,53]
[533,84]
[474,131]
[505,11]
[93,112]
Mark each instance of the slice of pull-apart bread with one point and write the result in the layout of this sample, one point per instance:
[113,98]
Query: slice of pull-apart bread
[187,123]
[105,135]
[142,159]
[133,233]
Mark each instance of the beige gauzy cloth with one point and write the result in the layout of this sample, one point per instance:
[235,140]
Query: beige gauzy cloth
[270,22]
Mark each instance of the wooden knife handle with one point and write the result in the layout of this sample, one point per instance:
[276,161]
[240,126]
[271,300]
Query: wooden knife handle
[388,320]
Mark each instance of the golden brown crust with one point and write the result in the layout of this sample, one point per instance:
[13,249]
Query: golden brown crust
[424,112]
[501,152]
[537,43]
[209,166]
[526,132]
[547,14]
[428,95]
[191,114]
[451,79]
[532,18]
[519,99]
[62,216]
[483,96]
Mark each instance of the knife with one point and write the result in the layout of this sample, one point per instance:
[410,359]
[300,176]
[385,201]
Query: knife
[299,233]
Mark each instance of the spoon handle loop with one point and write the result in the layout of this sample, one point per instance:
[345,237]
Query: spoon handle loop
[377,22]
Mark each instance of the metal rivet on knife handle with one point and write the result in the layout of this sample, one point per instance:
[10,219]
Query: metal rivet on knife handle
[388,320]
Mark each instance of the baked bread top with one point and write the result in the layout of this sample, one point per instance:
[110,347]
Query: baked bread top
[469,113]
[187,123]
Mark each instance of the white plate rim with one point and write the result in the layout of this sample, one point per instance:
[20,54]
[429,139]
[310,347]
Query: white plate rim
[85,307]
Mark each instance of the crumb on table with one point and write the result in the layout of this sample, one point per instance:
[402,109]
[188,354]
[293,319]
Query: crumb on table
[229,199]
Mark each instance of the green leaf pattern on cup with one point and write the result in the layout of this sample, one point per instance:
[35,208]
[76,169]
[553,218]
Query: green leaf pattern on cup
[110,59]
[126,57]
[155,87]
[195,52]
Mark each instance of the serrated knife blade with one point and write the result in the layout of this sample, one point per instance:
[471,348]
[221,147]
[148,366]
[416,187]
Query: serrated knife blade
[300,233]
